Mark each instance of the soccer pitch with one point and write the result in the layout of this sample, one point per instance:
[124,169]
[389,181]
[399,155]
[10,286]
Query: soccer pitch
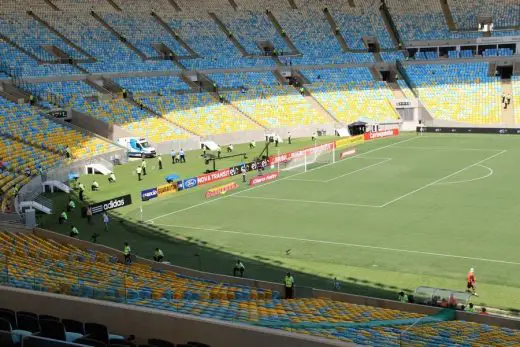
[401,213]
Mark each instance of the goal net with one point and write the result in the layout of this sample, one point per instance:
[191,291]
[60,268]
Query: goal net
[302,161]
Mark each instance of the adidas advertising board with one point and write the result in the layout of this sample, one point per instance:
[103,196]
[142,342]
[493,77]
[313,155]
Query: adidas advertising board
[111,204]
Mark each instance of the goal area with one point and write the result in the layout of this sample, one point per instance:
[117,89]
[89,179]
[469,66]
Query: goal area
[309,159]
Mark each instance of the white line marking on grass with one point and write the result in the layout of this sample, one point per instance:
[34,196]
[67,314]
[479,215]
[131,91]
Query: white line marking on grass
[398,250]
[305,201]
[383,160]
[450,148]
[490,172]
[358,170]
[443,178]
[268,183]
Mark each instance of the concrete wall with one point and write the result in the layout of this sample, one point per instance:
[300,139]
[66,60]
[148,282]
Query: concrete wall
[92,124]
[150,323]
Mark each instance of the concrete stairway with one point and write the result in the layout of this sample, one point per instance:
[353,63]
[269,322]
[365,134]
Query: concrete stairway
[60,35]
[447,15]
[118,35]
[174,5]
[319,107]
[172,32]
[20,48]
[229,34]
[396,90]
[293,4]
[114,5]
[508,114]
[282,32]
[51,5]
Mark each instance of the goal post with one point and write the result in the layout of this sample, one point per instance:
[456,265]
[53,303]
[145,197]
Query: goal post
[308,159]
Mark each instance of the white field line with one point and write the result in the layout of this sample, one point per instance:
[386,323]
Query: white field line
[268,183]
[305,201]
[383,160]
[358,170]
[449,148]
[490,172]
[442,179]
[397,250]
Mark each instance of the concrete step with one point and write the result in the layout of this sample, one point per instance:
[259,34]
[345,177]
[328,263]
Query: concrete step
[228,34]
[319,107]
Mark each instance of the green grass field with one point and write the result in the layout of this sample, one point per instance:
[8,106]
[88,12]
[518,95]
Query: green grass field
[403,212]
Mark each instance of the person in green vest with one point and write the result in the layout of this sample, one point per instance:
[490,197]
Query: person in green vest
[470,308]
[143,166]
[159,161]
[112,178]
[95,186]
[302,91]
[402,297]
[63,217]
[288,282]
[158,255]
[74,232]
[138,171]
[71,205]
[81,188]
[68,154]
[127,253]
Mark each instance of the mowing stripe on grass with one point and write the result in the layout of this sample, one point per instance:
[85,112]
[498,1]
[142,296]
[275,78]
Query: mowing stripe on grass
[449,148]
[442,178]
[305,201]
[268,183]
[397,250]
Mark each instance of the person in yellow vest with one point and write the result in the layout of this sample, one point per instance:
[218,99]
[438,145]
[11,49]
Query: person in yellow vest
[112,178]
[159,160]
[71,205]
[74,232]
[94,186]
[138,171]
[81,191]
[63,217]
[289,286]
[143,166]
[127,252]
[158,255]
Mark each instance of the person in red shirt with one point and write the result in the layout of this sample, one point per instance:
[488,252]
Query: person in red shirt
[471,282]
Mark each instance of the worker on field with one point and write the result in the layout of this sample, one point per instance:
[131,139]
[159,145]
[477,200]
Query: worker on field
[182,158]
[252,144]
[289,135]
[402,297]
[94,186]
[337,286]
[81,191]
[63,217]
[470,308]
[159,162]
[230,148]
[127,253]
[139,170]
[158,255]
[313,137]
[173,154]
[71,205]
[143,166]
[244,173]
[239,269]
[471,285]
[112,178]
[289,286]
[74,232]
[68,154]
[88,213]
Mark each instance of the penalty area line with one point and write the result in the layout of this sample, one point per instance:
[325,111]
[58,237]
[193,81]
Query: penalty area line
[275,181]
[344,244]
